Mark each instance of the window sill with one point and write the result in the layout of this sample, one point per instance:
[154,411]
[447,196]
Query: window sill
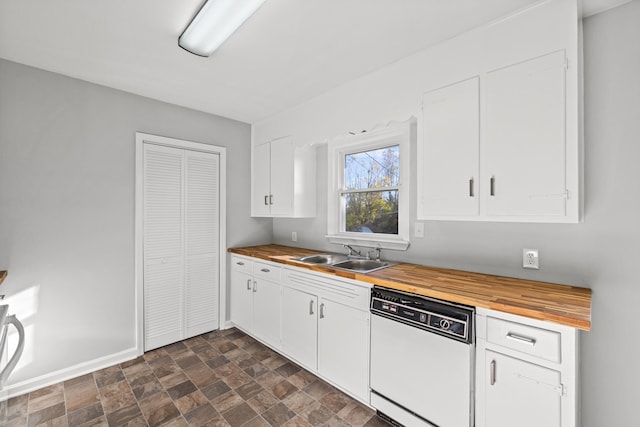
[370,241]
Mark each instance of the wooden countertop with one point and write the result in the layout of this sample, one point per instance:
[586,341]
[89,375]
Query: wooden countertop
[3,275]
[563,304]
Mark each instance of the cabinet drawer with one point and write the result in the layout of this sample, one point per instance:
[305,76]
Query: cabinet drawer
[241,264]
[536,342]
[267,271]
[338,290]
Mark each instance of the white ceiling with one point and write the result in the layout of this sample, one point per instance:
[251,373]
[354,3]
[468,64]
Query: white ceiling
[288,52]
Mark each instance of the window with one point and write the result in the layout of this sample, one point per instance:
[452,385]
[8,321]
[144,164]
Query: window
[368,188]
[370,195]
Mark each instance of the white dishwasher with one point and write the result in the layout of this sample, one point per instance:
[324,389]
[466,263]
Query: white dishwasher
[422,358]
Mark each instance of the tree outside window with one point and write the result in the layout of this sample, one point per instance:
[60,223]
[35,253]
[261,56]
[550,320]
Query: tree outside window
[371,188]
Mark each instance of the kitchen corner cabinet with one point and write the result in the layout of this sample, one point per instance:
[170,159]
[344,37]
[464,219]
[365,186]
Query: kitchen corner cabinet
[502,146]
[526,372]
[283,180]
[255,298]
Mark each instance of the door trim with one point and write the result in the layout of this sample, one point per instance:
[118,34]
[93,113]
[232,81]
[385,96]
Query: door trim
[141,139]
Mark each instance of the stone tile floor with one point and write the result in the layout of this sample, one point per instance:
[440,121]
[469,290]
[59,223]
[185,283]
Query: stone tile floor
[223,378]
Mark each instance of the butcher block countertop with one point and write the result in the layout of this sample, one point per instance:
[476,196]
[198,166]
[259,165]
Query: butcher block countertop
[563,304]
[3,274]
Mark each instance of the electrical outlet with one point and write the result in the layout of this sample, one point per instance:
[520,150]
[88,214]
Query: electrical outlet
[419,230]
[530,259]
[294,236]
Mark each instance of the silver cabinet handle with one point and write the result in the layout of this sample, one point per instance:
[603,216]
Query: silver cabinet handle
[471,187]
[492,372]
[492,186]
[521,338]
[322,311]
[271,199]
[265,270]
[265,200]
[248,284]
[255,286]
[239,263]
[311,307]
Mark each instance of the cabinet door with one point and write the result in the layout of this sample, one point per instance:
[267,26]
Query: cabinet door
[522,394]
[241,299]
[260,179]
[266,311]
[343,347]
[448,153]
[300,326]
[525,172]
[281,196]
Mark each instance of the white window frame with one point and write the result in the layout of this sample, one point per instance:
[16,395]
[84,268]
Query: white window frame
[394,134]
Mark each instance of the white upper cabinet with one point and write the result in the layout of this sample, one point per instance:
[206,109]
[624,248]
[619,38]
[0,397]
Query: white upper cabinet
[525,138]
[261,180]
[449,173]
[283,180]
[495,147]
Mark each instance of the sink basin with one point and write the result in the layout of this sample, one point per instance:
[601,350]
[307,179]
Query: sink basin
[362,265]
[343,262]
[323,258]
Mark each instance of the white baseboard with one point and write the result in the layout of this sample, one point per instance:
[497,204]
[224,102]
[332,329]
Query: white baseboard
[13,390]
[227,324]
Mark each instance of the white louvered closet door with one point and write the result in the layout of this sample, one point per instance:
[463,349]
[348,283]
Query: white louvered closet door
[180,244]
[163,245]
[202,212]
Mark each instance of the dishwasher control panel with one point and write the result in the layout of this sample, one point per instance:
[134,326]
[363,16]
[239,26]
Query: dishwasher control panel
[447,319]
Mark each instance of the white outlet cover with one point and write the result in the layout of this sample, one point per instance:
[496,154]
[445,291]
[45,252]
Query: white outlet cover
[530,259]
[419,229]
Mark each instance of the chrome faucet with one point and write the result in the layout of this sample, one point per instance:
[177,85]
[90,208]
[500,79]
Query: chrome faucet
[353,252]
[376,257]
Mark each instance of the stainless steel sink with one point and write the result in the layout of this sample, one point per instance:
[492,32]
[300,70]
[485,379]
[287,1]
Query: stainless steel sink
[362,265]
[323,258]
[343,262]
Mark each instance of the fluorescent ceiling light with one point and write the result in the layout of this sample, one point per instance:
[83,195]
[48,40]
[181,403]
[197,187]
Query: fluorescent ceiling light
[214,23]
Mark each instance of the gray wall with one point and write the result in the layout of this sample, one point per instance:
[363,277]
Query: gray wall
[67,208]
[602,253]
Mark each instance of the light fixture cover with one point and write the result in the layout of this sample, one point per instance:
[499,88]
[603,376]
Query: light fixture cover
[214,23]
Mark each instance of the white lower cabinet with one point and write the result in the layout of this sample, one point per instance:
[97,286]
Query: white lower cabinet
[266,311]
[325,327]
[255,298]
[241,298]
[522,394]
[299,326]
[525,372]
[343,347]
[319,321]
